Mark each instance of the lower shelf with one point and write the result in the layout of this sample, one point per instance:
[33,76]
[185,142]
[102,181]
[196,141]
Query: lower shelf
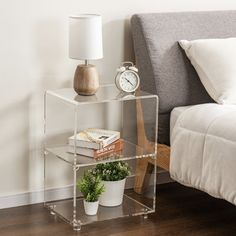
[129,207]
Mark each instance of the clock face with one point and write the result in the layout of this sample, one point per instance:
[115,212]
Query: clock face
[129,81]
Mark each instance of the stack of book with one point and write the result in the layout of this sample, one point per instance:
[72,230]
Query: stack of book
[96,143]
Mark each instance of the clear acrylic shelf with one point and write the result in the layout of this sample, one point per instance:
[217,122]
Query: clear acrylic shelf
[66,114]
[130,151]
[106,93]
[129,207]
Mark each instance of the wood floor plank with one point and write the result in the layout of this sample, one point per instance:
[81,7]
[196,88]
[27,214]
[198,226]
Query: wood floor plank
[180,211]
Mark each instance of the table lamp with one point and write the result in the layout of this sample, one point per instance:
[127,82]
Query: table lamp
[85,43]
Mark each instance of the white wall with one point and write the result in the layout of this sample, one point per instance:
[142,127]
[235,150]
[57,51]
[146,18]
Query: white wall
[33,58]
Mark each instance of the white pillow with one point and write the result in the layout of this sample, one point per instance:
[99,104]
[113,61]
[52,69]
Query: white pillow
[215,62]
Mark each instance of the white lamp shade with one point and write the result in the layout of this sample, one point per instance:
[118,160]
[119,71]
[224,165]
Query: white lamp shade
[85,37]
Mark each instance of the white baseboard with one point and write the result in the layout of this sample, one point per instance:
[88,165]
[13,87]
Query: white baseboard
[28,198]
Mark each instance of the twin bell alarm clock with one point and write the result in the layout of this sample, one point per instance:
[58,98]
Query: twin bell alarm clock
[127,79]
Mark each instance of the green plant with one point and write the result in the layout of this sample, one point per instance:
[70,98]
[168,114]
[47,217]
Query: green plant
[112,171]
[90,186]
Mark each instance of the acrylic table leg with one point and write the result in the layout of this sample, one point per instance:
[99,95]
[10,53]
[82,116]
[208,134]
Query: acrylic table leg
[145,215]
[52,208]
[76,223]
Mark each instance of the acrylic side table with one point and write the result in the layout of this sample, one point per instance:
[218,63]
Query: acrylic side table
[67,113]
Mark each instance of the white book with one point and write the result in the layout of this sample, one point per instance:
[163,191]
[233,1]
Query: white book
[81,151]
[94,138]
[112,148]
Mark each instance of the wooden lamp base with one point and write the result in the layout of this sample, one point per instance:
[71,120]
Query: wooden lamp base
[86,80]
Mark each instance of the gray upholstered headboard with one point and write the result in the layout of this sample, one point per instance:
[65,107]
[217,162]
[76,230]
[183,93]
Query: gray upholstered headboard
[163,67]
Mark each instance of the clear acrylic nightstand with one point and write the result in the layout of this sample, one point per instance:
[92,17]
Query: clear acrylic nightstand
[67,113]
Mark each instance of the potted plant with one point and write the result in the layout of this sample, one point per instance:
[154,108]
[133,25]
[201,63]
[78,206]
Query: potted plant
[91,187]
[113,176]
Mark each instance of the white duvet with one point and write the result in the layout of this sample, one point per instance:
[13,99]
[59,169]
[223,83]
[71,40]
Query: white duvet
[203,149]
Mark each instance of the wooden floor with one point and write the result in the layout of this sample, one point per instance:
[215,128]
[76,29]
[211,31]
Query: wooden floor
[180,211]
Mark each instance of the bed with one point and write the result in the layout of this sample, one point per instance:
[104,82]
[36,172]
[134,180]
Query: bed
[166,71]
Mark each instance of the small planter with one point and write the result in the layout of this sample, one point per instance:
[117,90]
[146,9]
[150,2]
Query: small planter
[113,195]
[91,187]
[90,208]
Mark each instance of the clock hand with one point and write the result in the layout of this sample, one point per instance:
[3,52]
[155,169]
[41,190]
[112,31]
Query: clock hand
[129,81]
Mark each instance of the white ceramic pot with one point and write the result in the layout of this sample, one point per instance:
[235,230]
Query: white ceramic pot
[113,195]
[90,208]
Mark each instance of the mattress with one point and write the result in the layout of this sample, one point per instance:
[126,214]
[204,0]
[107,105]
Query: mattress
[175,113]
[203,149]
